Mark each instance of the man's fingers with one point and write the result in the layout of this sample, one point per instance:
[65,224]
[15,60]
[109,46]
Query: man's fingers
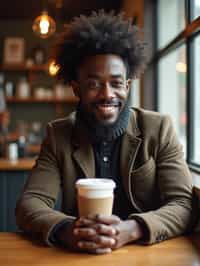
[97,218]
[88,245]
[90,234]
[87,233]
[105,241]
[107,219]
[105,229]
[83,221]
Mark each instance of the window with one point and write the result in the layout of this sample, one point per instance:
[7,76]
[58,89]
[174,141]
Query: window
[195,9]
[135,93]
[177,64]
[171,20]
[172,90]
[196,106]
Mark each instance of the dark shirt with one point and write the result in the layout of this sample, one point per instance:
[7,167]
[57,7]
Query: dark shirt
[107,165]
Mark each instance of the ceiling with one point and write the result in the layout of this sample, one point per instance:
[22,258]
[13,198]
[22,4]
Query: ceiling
[60,9]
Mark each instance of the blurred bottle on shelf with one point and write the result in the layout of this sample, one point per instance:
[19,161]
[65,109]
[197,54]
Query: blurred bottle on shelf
[39,93]
[59,91]
[23,89]
[38,55]
[62,91]
[9,89]
[22,141]
[35,134]
[22,146]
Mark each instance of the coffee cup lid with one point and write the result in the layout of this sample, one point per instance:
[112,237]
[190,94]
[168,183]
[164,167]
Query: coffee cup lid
[95,183]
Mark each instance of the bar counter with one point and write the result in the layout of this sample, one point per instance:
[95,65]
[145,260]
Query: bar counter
[18,250]
[13,175]
[20,164]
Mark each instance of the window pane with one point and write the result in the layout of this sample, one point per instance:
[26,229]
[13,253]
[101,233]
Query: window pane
[196,106]
[172,90]
[195,9]
[171,20]
[135,93]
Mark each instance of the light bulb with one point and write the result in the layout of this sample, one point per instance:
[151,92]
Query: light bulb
[44,25]
[53,68]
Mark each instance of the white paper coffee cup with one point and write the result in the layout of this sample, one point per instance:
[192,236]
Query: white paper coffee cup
[95,196]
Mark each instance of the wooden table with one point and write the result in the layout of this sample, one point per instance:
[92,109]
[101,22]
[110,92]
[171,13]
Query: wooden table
[17,250]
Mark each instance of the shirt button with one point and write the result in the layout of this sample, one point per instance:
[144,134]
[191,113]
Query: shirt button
[105,159]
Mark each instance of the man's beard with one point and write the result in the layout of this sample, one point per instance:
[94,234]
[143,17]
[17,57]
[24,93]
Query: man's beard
[100,131]
[91,117]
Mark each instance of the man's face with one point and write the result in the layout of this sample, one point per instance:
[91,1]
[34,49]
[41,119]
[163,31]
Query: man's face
[102,87]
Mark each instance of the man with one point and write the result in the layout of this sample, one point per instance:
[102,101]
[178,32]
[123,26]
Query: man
[138,149]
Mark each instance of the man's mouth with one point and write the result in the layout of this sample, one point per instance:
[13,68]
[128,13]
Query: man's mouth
[108,104]
[107,108]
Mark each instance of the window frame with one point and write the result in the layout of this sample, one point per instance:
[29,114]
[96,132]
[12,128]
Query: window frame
[187,36]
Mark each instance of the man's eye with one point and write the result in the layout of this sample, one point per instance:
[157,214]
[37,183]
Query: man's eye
[93,84]
[117,84]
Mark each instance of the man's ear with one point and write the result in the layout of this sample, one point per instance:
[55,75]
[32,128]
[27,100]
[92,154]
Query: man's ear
[75,88]
[128,84]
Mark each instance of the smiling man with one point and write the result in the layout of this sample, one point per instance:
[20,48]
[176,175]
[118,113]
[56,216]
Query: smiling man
[103,88]
[138,149]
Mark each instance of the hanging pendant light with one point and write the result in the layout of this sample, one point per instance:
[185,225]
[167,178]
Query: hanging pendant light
[44,26]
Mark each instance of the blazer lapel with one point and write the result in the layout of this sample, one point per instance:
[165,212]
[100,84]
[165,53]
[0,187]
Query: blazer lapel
[83,152]
[85,159]
[129,149]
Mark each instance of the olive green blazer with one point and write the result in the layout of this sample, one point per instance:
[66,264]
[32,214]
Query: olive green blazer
[155,176]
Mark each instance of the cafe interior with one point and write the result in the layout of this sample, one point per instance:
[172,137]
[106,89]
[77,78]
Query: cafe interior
[31,95]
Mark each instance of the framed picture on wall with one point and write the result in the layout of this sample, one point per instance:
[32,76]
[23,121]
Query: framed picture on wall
[13,50]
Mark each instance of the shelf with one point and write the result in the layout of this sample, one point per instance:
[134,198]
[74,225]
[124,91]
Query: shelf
[20,164]
[70,99]
[23,67]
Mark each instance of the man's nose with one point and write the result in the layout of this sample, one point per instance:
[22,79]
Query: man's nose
[107,91]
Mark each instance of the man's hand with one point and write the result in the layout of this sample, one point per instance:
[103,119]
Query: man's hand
[82,235]
[99,234]
[95,237]
[126,231]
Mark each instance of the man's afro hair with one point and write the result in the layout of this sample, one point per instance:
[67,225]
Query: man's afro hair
[99,33]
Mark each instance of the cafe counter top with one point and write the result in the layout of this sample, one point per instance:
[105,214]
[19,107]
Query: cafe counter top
[20,164]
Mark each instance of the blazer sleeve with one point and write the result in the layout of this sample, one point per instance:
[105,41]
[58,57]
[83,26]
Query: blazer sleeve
[175,188]
[34,209]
